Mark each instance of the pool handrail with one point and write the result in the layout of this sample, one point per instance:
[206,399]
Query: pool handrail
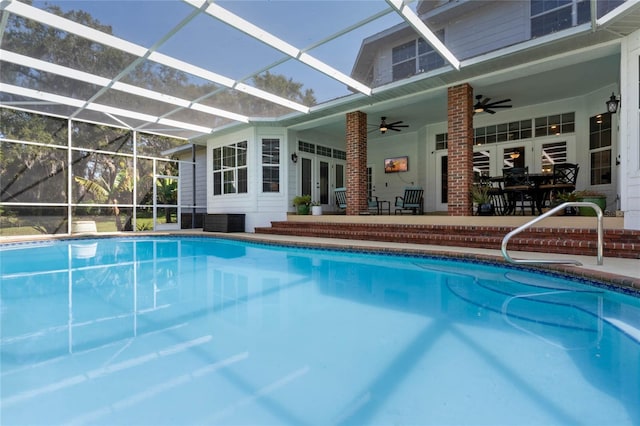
[599,216]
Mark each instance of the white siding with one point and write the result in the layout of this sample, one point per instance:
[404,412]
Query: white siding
[496,25]
[630,131]
[259,208]
[186,179]
[489,28]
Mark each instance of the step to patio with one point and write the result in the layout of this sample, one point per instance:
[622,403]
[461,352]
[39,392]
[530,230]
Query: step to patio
[578,241]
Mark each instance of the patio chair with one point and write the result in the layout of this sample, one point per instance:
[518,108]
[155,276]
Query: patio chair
[563,181]
[518,188]
[341,199]
[411,201]
[374,206]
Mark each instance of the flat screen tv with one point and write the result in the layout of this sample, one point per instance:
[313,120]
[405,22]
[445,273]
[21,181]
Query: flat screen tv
[396,164]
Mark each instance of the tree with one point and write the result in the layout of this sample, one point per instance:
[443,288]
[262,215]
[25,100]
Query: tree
[106,190]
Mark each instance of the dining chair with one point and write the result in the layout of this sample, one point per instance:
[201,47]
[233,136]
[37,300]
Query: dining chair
[563,181]
[496,194]
[518,189]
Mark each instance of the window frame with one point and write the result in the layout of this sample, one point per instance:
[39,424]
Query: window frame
[230,170]
[602,131]
[270,164]
[417,52]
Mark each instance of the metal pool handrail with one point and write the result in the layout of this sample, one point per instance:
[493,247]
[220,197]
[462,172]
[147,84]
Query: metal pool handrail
[551,212]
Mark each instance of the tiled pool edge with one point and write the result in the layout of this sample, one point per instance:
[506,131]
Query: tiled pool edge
[624,283]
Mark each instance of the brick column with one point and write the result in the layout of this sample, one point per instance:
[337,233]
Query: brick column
[356,163]
[460,150]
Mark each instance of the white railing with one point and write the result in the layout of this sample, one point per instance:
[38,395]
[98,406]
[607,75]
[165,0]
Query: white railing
[551,212]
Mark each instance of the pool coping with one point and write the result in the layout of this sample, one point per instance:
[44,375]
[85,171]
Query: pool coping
[599,275]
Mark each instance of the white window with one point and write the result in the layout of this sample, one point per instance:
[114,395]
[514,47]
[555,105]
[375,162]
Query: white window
[600,148]
[549,16]
[270,165]
[414,57]
[230,169]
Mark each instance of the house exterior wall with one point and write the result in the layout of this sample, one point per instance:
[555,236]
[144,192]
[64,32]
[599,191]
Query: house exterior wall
[186,179]
[494,25]
[629,116]
[259,208]
[293,170]
[584,107]
[387,186]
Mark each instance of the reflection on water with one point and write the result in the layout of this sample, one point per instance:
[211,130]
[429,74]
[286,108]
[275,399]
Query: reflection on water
[222,331]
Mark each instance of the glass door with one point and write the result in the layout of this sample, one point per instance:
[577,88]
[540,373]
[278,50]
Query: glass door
[442,170]
[548,152]
[317,179]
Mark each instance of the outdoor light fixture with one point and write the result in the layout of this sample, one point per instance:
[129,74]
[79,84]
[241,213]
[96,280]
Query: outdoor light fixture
[383,128]
[294,157]
[514,155]
[612,104]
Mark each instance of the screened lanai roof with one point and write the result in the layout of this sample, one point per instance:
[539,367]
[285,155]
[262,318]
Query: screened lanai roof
[193,67]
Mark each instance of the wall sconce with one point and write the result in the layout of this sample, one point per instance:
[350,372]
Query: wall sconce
[612,104]
[514,155]
[294,157]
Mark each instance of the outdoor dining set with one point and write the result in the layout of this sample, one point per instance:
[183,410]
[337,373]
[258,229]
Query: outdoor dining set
[516,190]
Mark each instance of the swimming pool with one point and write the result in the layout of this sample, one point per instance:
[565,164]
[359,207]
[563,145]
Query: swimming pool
[153,331]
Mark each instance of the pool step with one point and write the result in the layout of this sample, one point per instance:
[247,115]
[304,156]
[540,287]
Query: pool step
[578,241]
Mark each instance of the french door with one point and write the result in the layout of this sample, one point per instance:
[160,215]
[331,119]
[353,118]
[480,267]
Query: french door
[319,176]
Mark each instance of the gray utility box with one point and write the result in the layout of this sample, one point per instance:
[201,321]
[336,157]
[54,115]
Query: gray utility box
[224,222]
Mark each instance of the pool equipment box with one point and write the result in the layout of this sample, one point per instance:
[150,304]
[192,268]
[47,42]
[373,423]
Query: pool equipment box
[224,222]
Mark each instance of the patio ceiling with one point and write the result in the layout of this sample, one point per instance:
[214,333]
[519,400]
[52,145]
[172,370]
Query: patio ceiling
[195,67]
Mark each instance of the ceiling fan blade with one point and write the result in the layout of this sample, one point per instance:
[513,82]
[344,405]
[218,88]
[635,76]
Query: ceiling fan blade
[489,111]
[498,102]
[400,125]
[394,129]
[485,101]
[394,123]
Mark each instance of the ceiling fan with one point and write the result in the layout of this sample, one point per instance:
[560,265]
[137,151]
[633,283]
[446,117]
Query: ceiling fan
[483,105]
[395,126]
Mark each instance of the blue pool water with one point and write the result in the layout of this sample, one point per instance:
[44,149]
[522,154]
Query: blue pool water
[185,331]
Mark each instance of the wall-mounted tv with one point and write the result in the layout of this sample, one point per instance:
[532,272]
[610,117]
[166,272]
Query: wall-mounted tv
[396,164]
